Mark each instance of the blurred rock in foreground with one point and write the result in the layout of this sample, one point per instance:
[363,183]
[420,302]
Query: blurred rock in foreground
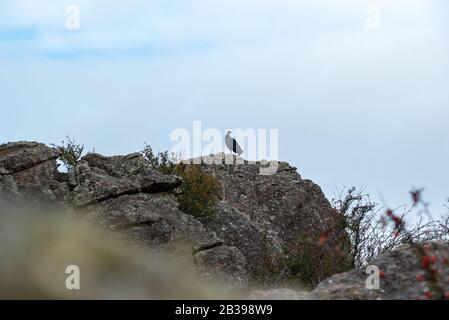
[36,249]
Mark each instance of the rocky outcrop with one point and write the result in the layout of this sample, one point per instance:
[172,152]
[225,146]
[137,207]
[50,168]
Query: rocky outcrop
[98,178]
[28,169]
[19,156]
[155,220]
[257,220]
[263,215]
[122,194]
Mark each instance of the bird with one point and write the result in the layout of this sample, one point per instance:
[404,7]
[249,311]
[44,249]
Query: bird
[232,144]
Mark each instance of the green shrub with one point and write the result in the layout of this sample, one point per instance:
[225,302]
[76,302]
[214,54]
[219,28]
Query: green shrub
[198,192]
[163,162]
[71,152]
[317,258]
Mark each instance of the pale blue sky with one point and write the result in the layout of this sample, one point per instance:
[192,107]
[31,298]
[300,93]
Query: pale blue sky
[353,106]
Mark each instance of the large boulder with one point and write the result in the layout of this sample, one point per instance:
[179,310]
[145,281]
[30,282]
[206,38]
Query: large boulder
[264,215]
[224,264]
[28,170]
[155,220]
[262,248]
[43,183]
[399,271]
[18,156]
[99,178]
[124,194]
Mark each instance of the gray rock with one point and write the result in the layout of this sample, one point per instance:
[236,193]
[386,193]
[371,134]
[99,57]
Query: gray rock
[18,156]
[258,217]
[399,269]
[225,264]
[155,220]
[263,215]
[31,173]
[262,250]
[42,183]
[8,189]
[99,178]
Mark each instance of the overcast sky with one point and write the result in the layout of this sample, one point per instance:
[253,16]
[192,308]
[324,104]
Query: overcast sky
[356,102]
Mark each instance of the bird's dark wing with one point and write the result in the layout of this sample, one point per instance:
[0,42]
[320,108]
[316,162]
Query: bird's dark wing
[236,147]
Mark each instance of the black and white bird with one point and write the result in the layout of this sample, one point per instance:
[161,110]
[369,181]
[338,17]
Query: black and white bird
[232,144]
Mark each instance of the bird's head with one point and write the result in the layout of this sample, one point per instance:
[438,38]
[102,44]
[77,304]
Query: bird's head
[229,132]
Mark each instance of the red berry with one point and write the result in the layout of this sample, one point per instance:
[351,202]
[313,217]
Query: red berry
[420,277]
[416,195]
[389,213]
[397,221]
[382,274]
[322,240]
[446,295]
[428,294]
[433,259]
[425,261]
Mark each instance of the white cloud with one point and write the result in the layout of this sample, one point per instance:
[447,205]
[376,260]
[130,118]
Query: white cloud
[128,24]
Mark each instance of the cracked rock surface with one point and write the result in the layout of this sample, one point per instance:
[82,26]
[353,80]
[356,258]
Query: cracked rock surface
[263,215]
[100,178]
[257,216]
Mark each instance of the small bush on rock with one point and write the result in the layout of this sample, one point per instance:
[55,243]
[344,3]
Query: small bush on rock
[198,192]
[163,162]
[315,259]
[71,152]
